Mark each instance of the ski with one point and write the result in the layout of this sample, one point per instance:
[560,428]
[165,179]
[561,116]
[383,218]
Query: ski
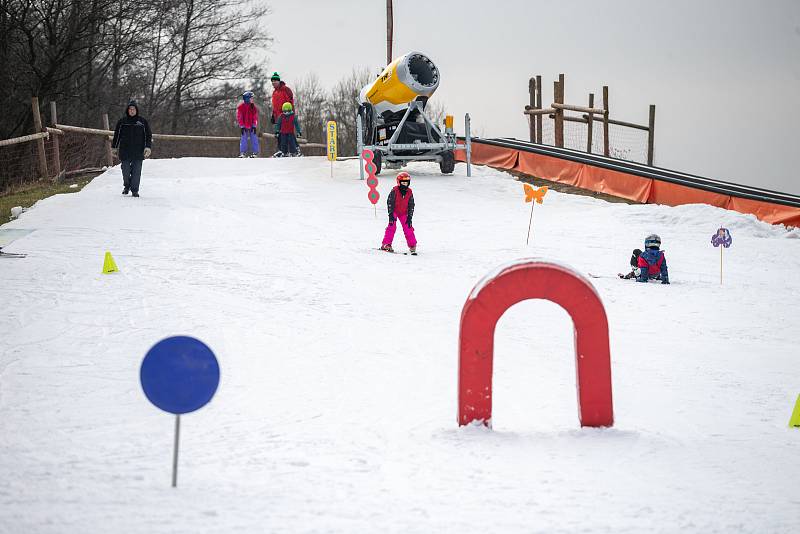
[11,255]
[397,252]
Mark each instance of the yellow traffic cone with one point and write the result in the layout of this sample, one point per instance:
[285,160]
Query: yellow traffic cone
[108,264]
[795,420]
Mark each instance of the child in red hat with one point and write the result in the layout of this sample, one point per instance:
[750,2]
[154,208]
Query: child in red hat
[401,207]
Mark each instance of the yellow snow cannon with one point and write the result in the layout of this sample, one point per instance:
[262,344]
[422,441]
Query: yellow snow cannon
[405,79]
[392,122]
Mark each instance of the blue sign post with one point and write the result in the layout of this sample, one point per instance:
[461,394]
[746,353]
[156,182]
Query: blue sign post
[179,375]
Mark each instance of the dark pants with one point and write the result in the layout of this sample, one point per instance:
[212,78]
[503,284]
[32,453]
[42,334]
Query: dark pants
[131,174]
[287,143]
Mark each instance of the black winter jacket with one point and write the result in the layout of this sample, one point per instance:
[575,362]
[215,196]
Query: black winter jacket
[132,135]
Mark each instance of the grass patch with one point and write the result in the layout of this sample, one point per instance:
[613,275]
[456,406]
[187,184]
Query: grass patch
[29,194]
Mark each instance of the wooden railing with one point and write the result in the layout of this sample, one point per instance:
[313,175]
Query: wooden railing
[590,115]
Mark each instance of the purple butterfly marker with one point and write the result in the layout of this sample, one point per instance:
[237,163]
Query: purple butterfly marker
[722,237]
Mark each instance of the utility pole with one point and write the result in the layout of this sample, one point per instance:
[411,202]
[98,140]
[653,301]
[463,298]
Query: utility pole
[389,30]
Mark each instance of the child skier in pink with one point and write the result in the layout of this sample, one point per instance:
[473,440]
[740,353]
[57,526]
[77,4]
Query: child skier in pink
[247,115]
[401,207]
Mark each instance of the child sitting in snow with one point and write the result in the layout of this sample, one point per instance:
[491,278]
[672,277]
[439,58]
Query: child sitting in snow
[401,207]
[652,263]
[285,128]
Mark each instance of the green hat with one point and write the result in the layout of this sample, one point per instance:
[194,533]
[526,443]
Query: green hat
[275,76]
[287,106]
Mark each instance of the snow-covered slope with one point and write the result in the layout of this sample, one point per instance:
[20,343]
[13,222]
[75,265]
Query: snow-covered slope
[337,406]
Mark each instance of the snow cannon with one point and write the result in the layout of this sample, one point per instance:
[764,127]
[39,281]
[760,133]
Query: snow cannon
[393,124]
[407,78]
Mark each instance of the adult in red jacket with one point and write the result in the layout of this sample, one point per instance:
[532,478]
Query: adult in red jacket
[280,96]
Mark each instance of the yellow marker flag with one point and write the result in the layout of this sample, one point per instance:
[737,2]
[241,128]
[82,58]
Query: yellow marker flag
[795,420]
[330,127]
[108,264]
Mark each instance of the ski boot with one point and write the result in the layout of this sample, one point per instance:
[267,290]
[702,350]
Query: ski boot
[253,155]
[278,154]
[387,248]
[413,250]
[125,191]
[242,155]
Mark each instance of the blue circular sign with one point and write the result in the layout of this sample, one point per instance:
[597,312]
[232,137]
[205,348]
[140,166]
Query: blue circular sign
[179,374]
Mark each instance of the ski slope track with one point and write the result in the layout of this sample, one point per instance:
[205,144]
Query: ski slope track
[336,410]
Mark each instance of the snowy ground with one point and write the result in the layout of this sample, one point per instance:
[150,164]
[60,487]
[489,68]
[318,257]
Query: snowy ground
[337,406]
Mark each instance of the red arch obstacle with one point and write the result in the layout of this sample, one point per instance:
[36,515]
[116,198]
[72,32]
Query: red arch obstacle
[531,279]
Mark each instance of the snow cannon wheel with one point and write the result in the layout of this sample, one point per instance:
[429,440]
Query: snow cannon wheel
[448,163]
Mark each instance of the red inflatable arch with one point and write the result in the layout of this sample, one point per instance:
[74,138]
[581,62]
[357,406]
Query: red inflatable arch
[523,280]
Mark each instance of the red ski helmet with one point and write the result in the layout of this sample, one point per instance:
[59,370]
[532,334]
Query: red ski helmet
[403,177]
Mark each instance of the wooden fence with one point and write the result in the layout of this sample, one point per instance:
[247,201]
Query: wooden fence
[589,116]
[49,160]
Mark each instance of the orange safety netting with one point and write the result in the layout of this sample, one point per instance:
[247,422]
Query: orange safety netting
[623,185]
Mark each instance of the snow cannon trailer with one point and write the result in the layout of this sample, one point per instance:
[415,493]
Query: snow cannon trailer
[392,123]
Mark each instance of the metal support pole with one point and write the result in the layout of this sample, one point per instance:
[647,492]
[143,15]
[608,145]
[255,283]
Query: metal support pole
[389,30]
[175,451]
[360,144]
[469,144]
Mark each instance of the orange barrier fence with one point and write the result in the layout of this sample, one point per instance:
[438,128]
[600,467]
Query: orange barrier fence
[623,185]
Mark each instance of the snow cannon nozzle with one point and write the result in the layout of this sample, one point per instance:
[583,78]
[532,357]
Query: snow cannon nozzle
[403,81]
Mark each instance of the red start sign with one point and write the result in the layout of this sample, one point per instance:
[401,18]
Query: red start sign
[532,279]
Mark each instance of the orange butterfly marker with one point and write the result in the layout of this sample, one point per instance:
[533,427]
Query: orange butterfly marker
[531,194]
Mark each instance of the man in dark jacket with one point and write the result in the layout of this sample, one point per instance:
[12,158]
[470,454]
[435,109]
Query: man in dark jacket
[132,144]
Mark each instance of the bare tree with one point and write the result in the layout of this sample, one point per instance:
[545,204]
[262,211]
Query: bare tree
[44,48]
[343,105]
[311,101]
[210,38]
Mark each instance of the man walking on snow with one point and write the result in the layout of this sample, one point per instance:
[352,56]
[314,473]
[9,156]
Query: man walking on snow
[280,96]
[131,144]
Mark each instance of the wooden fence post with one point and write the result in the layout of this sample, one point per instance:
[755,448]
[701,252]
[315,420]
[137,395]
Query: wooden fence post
[558,98]
[109,154]
[606,150]
[532,118]
[651,136]
[37,124]
[539,118]
[54,137]
[589,122]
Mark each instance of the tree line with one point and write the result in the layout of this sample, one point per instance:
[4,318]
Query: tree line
[186,62]
[181,59]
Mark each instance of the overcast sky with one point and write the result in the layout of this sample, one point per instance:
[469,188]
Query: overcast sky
[724,74]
